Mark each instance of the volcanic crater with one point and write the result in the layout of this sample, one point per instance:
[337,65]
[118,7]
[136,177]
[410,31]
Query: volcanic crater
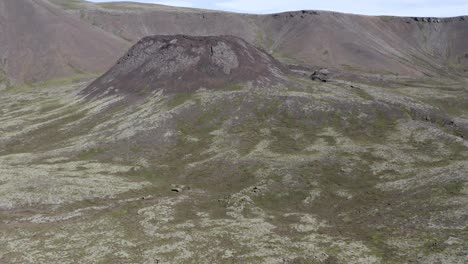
[182,63]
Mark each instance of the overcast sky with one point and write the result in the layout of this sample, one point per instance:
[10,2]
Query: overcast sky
[437,8]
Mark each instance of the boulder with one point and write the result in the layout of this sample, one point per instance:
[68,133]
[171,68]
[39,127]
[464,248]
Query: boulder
[321,75]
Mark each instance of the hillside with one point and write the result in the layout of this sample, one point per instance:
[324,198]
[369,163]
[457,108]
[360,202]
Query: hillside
[91,37]
[381,45]
[39,41]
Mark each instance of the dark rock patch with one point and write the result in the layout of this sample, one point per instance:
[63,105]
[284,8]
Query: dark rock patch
[322,75]
[179,188]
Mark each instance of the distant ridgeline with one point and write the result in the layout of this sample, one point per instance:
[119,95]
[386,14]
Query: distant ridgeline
[92,37]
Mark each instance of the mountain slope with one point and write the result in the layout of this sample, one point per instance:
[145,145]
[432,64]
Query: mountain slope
[384,45]
[371,44]
[45,39]
[39,41]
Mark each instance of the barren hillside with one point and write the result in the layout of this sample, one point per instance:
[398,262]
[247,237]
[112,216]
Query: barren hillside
[39,41]
[43,39]
[382,45]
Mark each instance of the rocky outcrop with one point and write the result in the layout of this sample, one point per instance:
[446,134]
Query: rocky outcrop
[321,75]
[439,20]
[184,63]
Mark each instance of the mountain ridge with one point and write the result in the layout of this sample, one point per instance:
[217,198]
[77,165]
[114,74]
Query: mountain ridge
[98,34]
[328,39]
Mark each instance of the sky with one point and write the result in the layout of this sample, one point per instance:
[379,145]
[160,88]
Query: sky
[424,8]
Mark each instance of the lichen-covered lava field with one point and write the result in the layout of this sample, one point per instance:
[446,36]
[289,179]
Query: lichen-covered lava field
[211,149]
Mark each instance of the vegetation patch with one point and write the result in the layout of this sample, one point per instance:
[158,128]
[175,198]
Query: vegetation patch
[90,153]
[433,245]
[454,188]
[363,94]
[179,99]
[234,87]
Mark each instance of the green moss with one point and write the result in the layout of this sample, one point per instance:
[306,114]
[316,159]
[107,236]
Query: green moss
[52,83]
[65,81]
[50,105]
[370,130]
[179,99]
[141,172]
[454,188]
[90,153]
[249,136]
[331,141]
[202,125]
[286,58]
[4,81]
[223,178]
[306,81]
[333,251]
[262,40]
[357,69]
[453,106]
[49,136]
[433,245]
[69,4]
[292,135]
[234,87]
[124,6]
[420,25]
[285,201]
[144,91]
[352,68]
[378,246]
[194,138]
[81,168]
[363,94]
